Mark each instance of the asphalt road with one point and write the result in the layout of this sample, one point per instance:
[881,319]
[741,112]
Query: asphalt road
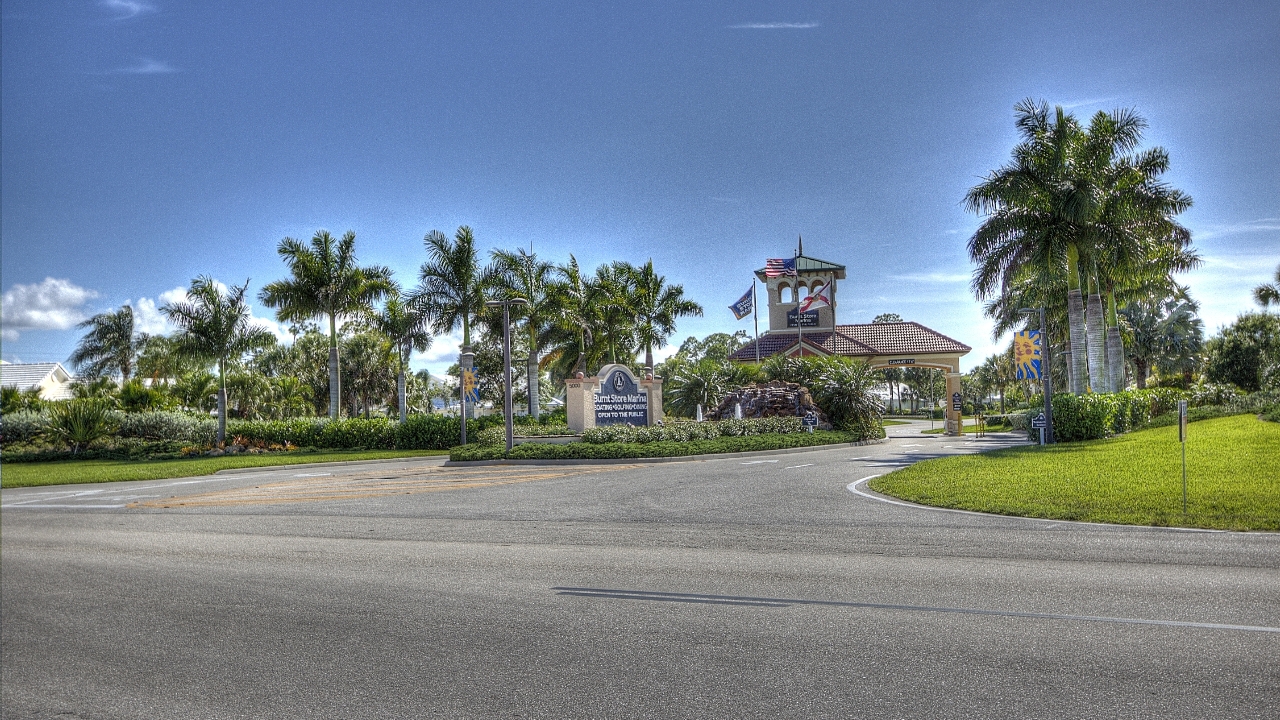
[748,587]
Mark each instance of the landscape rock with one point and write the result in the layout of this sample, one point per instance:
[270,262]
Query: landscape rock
[774,399]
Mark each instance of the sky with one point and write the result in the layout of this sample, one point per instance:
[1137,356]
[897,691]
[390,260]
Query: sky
[144,143]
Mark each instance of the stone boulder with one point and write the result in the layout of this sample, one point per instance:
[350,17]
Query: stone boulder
[774,399]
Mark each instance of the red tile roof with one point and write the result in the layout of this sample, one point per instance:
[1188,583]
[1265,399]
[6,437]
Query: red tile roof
[906,338]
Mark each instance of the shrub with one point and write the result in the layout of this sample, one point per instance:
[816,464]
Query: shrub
[1212,394]
[22,426]
[349,433]
[1083,417]
[80,422]
[174,426]
[303,432]
[614,450]
[441,432]
[690,431]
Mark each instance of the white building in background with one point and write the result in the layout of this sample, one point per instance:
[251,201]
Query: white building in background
[52,379]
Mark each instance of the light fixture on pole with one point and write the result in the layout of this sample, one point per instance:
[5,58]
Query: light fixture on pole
[506,358]
[1046,361]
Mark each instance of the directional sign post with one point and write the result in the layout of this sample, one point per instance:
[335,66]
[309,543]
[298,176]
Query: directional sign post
[1182,438]
[810,421]
[1040,422]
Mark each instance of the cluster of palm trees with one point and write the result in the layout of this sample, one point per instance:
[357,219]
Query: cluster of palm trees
[573,322]
[1081,224]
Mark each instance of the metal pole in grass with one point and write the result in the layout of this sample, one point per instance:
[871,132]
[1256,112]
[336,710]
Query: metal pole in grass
[1182,438]
[506,359]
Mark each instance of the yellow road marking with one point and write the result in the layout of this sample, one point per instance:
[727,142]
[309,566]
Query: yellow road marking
[372,484]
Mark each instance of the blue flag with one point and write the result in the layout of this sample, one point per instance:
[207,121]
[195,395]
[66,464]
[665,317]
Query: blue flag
[745,304]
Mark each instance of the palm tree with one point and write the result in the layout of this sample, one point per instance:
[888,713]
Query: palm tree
[111,345]
[1073,197]
[575,299]
[326,282]
[1268,294]
[656,305]
[452,286]
[613,312]
[408,329]
[521,274]
[216,326]
[1165,335]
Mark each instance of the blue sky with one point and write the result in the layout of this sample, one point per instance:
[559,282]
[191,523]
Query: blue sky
[145,143]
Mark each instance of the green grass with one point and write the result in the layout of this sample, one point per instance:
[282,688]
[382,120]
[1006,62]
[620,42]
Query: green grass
[887,423]
[1233,478]
[67,472]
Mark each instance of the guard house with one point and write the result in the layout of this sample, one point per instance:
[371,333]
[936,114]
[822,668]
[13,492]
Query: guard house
[819,332]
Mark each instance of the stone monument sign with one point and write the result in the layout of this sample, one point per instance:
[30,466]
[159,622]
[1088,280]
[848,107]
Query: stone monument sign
[613,397]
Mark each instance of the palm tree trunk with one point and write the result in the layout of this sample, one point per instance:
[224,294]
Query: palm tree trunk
[222,404]
[1001,399]
[1140,370]
[1115,346]
[535,403]
[1096,339]
[401,395]
[1078,369]
[335,388]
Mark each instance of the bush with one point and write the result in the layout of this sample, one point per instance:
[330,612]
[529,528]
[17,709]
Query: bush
[172,426]
[689,431]
[1083,417]
[78,423]
[615,450]
[302,432]
[115,449]
[22,426]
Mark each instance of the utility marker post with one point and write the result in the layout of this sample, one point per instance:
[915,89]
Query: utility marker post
[1182,438]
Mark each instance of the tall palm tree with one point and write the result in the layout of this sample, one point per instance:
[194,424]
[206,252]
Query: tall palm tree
[111,345]
[1073,197]
[215,326]
[575,299]
[1268,294]
[521,274]
[613,309]
[408,328]
[452,287]
[656,305]
[326,282]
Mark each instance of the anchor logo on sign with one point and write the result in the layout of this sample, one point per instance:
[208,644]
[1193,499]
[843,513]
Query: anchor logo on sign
[617,382]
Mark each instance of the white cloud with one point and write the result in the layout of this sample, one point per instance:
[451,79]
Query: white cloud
[145,66]
[126,9]
[934,277]
[148,318]
[443,353]
[50,305]
[1259,225]
[774,26]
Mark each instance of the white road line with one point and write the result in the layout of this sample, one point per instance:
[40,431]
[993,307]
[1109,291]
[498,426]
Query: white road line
[864,457]
[329,474]
[757,462]
[793,467]
[913,445]
[59,505]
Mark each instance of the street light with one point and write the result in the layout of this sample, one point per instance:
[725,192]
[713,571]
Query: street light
[1046,361]
[506,357]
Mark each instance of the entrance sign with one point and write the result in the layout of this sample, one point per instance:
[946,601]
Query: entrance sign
[1026,354]
[957,402]
[621,400]
[799,319]
[809,421]
[1039,422]
[908,361]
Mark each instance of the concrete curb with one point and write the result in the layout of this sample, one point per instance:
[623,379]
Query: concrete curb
[335,463]
[651,460]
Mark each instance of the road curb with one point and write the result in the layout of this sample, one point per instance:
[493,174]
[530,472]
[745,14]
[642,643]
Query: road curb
[335,463]
[653,460]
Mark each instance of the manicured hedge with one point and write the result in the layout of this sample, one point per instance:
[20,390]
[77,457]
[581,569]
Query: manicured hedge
[419,432]
[604,451]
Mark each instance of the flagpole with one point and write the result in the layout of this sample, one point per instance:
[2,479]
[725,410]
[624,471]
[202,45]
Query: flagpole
[755,311]
[799,320]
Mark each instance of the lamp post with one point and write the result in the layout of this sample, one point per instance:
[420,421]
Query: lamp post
[506,357]
[1046,362]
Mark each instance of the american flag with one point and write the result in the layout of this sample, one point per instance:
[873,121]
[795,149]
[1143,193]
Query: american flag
[773,267]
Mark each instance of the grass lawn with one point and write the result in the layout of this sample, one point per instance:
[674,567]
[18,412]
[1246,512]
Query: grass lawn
[887,423]
[1233,478]
[66,472]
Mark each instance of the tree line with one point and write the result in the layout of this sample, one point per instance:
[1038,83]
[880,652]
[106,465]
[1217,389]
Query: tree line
[355,327]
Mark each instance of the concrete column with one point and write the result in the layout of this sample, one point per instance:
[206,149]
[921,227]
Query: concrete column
[579,403]
[953,415]
[653,385]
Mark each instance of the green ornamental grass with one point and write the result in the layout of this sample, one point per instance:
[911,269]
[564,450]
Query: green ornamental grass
[1233,478]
